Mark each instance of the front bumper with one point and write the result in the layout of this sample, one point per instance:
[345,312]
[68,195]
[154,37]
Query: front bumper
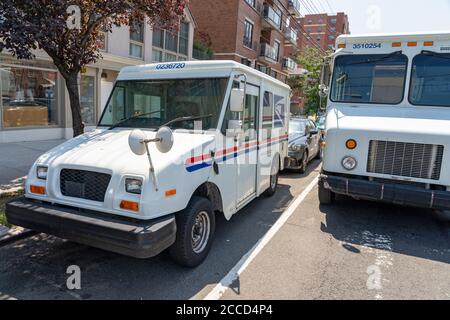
[131,237]
[293,160]
[399,194]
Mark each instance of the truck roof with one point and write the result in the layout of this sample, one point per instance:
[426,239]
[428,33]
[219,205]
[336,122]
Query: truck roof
[386,37]
[191,69]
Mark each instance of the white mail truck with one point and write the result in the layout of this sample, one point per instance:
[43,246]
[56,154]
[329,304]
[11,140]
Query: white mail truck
[388,121]
[177,144]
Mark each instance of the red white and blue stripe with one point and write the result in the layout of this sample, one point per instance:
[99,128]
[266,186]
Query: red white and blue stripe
[205,160]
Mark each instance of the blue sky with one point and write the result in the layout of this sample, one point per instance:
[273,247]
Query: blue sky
[390,16]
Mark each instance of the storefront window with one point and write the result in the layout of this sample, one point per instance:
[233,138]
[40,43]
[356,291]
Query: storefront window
[87,99]
[28,94]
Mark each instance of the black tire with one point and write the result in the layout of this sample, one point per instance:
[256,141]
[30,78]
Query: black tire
[183,251]
[304,162]
[319,153]
[442,215]
[326,196]
[273,179]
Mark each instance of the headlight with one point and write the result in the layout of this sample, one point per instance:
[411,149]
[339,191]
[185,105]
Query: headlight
[349,163]
[295,148]
[41,172]
[133,186]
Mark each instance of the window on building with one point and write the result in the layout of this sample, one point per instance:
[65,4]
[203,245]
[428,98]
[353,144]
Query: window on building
[184,38]
[333,21]
[170,45]
[320,21]
[158,37]
[310,21]
[29,96]
[319,29]
[246,62]
[137,39]
[248,33]
[333,29]
[102,41]
[276,47]
[309,30]
[318,39]
[273,73]
[251,2]
[87,99]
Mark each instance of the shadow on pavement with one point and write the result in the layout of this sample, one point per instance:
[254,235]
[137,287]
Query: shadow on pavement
[408,231]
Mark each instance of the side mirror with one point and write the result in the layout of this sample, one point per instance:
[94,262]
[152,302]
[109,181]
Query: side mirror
[137,140]
[234,128]
[237,100]
[313,132]
[323,91]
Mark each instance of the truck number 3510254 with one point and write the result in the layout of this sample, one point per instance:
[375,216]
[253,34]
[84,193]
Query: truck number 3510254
[357,46]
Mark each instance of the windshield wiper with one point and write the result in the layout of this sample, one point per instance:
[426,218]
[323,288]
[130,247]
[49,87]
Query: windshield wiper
[445,56]
[390,55]
[180,119]
[132,117]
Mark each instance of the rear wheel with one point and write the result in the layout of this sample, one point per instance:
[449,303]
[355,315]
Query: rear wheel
[195,233]
[325,196]
[273,178]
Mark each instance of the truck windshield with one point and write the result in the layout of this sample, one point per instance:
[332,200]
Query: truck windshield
[160,101]
[430,81]
[376,79]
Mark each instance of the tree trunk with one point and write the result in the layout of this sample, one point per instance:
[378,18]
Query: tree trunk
[74,97]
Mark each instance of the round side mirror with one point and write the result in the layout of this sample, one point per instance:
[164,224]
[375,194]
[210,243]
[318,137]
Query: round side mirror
[165,139]
[136,142]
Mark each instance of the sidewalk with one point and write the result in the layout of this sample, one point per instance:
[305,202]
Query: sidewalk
[17,158]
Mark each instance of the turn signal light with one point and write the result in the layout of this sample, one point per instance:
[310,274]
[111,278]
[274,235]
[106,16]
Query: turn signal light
[342,46]
[428,43]
[171,192]
[412,44]
[351,144]
[129,205]
[37,190]
[396,44]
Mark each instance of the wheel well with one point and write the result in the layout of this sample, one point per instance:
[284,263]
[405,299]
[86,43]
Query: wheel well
[210,191]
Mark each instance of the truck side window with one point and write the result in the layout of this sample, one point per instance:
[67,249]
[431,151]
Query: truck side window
[267,114]
[279,112]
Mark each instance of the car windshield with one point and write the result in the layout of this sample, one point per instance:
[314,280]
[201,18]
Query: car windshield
[297,127]
[369,78]
[430,81]
[152,103]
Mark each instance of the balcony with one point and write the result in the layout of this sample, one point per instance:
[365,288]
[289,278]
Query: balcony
[294,7]
[271,18]
[268,53]
[291,36]
[289,64]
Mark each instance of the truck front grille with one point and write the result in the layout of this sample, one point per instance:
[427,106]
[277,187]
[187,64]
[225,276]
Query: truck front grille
[84,184]
[414,160]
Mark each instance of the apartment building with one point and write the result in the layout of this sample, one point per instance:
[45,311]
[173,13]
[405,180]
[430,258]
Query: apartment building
[34,102]
[256,33]
[323,29]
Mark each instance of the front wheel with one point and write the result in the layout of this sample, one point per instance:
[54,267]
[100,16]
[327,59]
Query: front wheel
[442,215]
[195,233]
[325,196]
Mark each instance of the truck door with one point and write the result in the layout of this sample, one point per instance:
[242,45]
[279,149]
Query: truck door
[247,158]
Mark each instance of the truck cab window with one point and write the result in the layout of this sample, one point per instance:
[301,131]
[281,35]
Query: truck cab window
[160,101]
[369,79]
[430,81]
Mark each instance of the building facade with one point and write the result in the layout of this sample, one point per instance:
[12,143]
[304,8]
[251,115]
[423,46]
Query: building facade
[256,33]
[34,102]
[317,31]
[323,29]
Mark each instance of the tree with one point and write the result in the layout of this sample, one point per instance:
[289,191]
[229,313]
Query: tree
[307,84]
[69,30]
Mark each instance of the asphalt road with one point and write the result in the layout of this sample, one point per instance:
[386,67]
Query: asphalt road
[320,253]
